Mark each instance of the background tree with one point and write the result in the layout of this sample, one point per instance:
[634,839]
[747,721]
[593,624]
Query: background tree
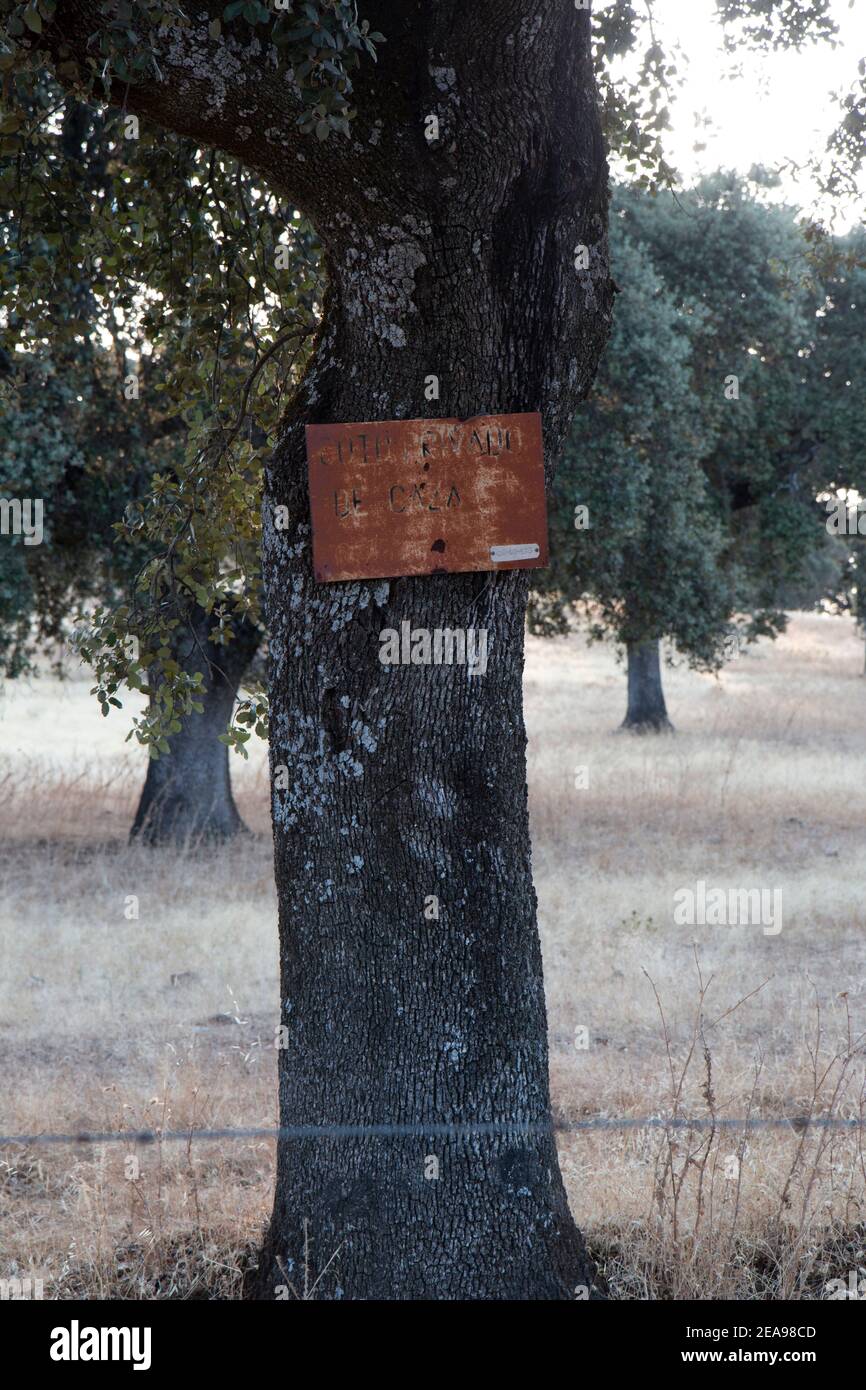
[839,420]
[76,273]
[730,380]
[66,442]
[743,264]
[635,542]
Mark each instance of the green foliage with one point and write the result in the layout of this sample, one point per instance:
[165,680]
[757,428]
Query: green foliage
[706,511]
[847,143]
[636,95]
[647,566]
[841,366]
[61,441]
[634,110]
[318,43]
[774,24]
[746,262]
[206,287]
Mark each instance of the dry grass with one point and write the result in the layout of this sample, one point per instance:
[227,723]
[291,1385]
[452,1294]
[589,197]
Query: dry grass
[166,1020]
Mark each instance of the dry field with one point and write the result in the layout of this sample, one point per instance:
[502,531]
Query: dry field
[109,1021]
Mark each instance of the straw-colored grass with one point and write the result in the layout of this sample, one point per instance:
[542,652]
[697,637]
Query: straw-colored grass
[165,1019]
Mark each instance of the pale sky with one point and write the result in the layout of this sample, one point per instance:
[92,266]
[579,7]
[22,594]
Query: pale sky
[781,108]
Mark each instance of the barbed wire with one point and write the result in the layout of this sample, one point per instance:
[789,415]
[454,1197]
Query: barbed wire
[422,1130]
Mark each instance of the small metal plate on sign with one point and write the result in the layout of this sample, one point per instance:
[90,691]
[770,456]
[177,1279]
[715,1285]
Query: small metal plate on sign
[501,554]
[400,497]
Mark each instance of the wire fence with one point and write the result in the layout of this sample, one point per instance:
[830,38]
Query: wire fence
[421,1130]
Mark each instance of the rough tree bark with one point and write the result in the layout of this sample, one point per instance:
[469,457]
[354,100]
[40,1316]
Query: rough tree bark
[646,711]
[187,793]
[457,258]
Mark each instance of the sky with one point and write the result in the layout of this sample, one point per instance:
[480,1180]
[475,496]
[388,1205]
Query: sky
[782,107]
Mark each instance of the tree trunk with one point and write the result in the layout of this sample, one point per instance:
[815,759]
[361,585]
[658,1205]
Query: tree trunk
[477,257]
[187,793]
[646,699]
[409,785]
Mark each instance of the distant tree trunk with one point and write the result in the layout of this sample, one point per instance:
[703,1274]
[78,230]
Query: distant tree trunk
[646,711]
[187,792]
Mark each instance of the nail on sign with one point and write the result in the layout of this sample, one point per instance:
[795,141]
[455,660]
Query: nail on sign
[401,497]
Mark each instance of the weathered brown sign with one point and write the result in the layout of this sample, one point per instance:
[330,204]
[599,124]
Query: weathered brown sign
[400,497]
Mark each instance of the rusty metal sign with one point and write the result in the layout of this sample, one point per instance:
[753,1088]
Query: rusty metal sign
[401,497]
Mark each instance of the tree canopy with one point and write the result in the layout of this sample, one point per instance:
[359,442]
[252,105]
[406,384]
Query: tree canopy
[633,532]
[726,408]
[184,256]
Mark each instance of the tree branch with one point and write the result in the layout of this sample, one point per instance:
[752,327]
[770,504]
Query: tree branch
[228,89]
